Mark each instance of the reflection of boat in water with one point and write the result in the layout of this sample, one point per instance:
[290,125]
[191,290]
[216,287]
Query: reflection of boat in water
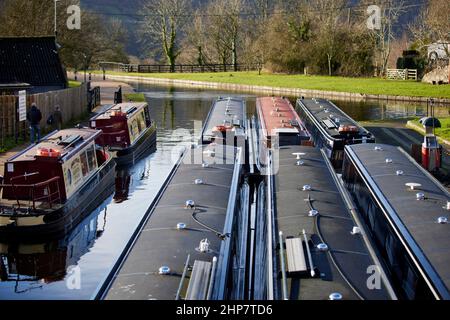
[32,265]
[123,181]
[49,187]
[127,129]
[124,178]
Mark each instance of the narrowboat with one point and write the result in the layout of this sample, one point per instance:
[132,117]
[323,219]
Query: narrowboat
[406,211]
[49,187]
[331,128]
[278,125]
[194,242]
[226,122]
[311,246]
[127,130]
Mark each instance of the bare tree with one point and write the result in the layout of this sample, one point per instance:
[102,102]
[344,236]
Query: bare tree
[432,25]
[165,22]
[329,13]
[225,27]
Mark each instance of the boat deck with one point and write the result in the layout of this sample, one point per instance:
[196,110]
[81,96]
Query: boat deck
[53,141]
[343,269]
[277,116]
[428,239]
[160,243]
[226,111]
[323,111]
[127,108]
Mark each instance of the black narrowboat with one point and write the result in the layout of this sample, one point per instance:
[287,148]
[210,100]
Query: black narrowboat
[331,128]
[127,129]
[406,212]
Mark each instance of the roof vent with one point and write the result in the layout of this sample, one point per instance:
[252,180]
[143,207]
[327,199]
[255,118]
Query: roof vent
[412,185]
[299,163]
[322,247]
[299,155]
[355,231]
[442,220]
[377,148]
[205,165]
[198,181]
[181,226]
[420,196]
[204,246]
[335,296]
[164,270]
[307,187]
[388,160]
[399,173]
[190,204]
[313,213]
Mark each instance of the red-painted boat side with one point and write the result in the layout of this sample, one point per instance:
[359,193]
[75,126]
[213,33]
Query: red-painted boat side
[114,124]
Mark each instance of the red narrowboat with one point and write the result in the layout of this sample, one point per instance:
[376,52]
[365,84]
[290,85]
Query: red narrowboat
[48,188]
[127,130]
[279,123]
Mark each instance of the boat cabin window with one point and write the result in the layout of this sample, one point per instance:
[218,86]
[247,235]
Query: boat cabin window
[137,125]
[79,168]
[147,116]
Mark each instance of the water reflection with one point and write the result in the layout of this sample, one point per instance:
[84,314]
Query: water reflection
[40,271]
[31,266]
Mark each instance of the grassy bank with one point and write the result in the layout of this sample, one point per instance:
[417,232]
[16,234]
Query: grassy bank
[443,132]
[374,86]
[74,84]
[134,97]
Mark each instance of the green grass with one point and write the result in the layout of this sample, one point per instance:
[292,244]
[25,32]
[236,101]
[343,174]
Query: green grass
[443,132]
[374,86]
[74,84]
[10,143]
[134,97]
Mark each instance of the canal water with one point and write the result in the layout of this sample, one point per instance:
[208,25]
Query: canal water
[75,266]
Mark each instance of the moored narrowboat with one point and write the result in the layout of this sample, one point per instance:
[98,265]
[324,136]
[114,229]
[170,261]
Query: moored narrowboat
[49,187]
[127,129]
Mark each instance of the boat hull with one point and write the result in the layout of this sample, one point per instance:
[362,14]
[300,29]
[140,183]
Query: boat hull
[135,152]
[54,224]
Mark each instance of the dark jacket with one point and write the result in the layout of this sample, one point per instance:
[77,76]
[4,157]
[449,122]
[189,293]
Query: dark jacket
[57,117]
[34,116]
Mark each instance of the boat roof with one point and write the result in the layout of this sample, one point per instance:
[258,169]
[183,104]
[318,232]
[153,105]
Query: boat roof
[218,115]
[417,220]
[325,114]
[161,244]
[333,227]
[277,115]
[129,108]
[68,142]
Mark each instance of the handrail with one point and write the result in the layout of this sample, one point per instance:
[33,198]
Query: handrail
[283,267]
[32,191]
[183,276]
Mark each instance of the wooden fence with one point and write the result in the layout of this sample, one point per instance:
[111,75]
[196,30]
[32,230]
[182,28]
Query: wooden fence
[178,68]
[73,103]
[402,74]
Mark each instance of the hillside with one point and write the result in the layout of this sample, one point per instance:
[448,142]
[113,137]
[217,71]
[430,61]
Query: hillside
[128,12]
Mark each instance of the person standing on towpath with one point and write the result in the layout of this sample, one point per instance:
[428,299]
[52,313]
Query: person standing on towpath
[34,117]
